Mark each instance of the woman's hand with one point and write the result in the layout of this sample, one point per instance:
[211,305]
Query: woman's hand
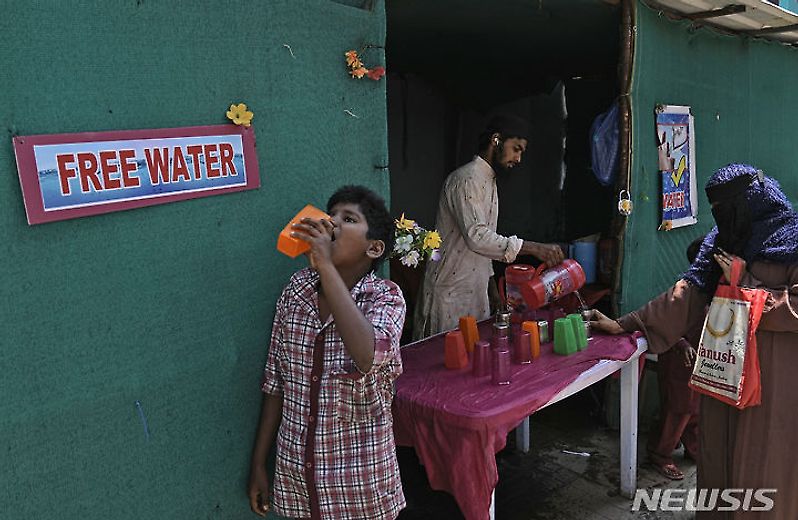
[725,261]
[319,234]
[598,321]
[689,356]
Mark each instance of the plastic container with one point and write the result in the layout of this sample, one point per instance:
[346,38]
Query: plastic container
[482,359]
[543,331]
[564,338]
[454,354]
[501,367]
[468,327]
[579,330]
[522,348]
[586,253]
[534,337]
[294,247]
[534,288]
[515,276]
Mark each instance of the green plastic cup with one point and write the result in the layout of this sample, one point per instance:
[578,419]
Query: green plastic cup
[579,330]
[565,342]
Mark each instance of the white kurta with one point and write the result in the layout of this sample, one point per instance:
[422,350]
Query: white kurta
[457,284]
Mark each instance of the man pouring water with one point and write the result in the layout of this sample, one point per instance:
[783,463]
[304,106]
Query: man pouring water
[468,210]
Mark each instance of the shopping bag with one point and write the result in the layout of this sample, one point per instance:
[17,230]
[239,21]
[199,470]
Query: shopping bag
[727,362]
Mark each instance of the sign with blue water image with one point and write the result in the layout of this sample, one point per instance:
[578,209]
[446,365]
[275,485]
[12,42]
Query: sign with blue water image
[676,157]
[66,176]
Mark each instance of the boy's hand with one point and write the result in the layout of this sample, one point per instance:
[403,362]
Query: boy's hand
[258,491]
[319,234]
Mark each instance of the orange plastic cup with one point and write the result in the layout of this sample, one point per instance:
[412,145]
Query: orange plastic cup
[294,247]
[534,337]
[468,327]
[454,354]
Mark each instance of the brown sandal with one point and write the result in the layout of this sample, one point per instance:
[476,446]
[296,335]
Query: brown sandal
[669,470]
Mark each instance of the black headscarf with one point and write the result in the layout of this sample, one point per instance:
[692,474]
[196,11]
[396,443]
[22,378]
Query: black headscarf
[731,212]
[750,205]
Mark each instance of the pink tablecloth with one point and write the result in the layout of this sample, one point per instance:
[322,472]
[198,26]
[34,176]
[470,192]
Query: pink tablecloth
[457,422]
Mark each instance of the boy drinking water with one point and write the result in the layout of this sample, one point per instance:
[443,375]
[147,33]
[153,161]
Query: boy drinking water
[328,381]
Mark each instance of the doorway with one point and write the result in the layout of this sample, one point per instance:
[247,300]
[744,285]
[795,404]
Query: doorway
[454,63]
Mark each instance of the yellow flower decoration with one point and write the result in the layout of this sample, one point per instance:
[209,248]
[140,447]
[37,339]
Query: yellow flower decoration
[358,70]
[239,115]
[404,223]
[432,240]
[352,60]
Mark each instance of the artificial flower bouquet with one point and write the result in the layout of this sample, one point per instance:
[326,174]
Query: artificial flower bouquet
[357,69]
[413,243]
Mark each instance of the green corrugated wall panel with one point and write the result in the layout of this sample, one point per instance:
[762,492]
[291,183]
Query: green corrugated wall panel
[170,305]
[743,96]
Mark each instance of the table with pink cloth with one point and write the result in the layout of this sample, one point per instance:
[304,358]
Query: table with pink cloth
[457,422]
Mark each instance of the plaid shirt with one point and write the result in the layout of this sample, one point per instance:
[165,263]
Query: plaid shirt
[336,457]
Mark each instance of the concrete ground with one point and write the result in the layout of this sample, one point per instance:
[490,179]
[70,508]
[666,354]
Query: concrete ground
[548,484]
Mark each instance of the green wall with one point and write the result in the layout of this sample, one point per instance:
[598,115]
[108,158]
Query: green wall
[743,94]
[170,305]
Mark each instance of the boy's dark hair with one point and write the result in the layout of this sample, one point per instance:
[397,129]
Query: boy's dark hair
[693,249]
[373,208]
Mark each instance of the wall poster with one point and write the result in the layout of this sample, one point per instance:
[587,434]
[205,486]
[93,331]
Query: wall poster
[677,165]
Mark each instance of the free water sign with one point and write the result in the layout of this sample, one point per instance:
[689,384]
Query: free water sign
[74,175]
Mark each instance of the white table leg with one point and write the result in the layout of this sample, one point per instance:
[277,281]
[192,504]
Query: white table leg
[492,504]
[522,436]
[629,381]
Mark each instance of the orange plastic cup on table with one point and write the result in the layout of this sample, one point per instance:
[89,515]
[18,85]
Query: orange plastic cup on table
[534,337]
[292,246]
[468,327]
[454,354]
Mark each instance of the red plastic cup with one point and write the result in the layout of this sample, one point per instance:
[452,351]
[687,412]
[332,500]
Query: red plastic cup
[454,354]
[501,367]
[515,328]
[522,348]
[482,361]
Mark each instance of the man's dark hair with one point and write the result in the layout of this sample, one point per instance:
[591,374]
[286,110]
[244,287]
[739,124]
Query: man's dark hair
[373,208]
[508,126]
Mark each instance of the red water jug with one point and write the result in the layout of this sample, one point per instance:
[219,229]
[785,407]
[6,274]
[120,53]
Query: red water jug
[530,288]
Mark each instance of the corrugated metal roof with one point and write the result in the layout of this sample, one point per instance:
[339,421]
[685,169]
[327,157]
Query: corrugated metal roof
[753,17]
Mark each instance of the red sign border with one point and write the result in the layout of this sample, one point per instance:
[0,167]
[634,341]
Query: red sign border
[29,175]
